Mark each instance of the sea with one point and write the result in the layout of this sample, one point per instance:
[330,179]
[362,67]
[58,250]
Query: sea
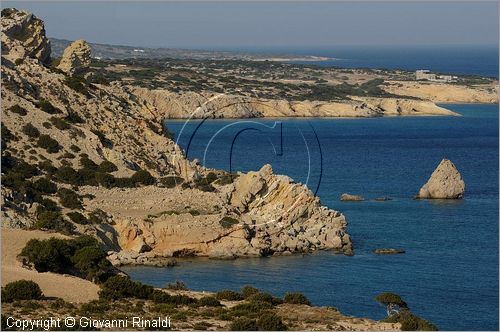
[449,271]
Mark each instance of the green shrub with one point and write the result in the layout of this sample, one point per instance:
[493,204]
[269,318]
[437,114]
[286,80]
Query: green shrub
[73,117]
[48,143]
[296,298]
[91,261]
[67,174]
[98,216]
[228,222]
[177,285]
[48,255]
[248,291]
[21,290]
[269,321]
[107,167]
[229,295]
[159,296]
[18,110]
[171,181]
[94,307]
[209,301]
[30,130]
[87,163]
[59,123]
[47,107]
[45,186]
[69,199]
[264,297]
[243,324]
[78,218]
[54,221]
[106,180]
[77,83]
[74,148]
[226,179]
[119,287]
[250,309]
[410,322]
[143,177]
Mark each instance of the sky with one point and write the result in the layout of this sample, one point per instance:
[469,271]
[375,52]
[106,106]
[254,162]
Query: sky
[239,24]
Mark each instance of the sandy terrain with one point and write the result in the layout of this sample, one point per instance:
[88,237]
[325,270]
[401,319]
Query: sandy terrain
[69,288]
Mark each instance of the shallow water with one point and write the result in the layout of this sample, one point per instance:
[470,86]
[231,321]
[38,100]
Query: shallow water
[449,273]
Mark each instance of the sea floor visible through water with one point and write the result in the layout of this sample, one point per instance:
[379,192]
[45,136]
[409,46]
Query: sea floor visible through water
[449,273]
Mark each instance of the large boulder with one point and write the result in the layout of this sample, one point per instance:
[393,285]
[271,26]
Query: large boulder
[23,36]
[444,183]
[76,58]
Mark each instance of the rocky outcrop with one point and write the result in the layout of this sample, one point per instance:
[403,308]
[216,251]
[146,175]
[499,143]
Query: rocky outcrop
[445,183]
[388,251]
[349,197]
[23,36]
[194,105]
[76,58]
[260,214]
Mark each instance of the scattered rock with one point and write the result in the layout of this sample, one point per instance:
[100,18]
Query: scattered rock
[383,199]
[76,58]
[444,183]
[349,197]
[388,251]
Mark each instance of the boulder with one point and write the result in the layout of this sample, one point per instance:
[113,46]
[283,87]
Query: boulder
[23,36]
[76,58]
[388,251]
[445,183]
[349,197]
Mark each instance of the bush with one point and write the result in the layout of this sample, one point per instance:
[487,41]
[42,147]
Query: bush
[119,287]
[104,179]
[59,123]
[411,322]
[244,324]
[87,163]
[177,285]
[45,186]
[21,290]
[30,130]
[18,110]
[54,221]
[229,295]
[67,174]
[78,218]
[48,143]
[143,177]
[47,107]
[228,222]
[296,298]
[209,301]
[171,181]
[248,291]
[73,117]
[269,321]
[74,148]
[77,83]
[91,261]
[391,298]
[250,309]
[69,199]
[264,297]
[107,167]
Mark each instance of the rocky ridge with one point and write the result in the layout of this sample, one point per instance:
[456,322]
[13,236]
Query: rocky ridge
[51,117]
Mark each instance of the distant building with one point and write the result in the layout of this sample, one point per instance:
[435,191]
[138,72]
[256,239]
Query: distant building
[423,74]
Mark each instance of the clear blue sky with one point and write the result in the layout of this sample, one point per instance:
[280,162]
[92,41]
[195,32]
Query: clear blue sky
[276,24]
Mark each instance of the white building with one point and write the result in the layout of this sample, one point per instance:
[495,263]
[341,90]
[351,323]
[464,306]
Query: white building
[424,74]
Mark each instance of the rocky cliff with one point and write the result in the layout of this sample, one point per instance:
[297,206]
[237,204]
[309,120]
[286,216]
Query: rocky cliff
[83,157]
[194,105]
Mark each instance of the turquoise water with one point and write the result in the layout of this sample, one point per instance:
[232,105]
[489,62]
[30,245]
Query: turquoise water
[449,273]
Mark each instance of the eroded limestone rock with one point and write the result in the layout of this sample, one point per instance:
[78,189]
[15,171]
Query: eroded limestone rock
[76,58]
[445,183]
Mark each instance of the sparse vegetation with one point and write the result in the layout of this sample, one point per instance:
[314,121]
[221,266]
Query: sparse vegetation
[18,110]
[47,107]
[228,222]
[296,298]
[30,130]
[48,143]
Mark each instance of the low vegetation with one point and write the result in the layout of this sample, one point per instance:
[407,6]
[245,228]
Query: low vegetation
[21,290]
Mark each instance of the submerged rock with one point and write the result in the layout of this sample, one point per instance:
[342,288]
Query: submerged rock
[349,197]
[388,251]
[444,183]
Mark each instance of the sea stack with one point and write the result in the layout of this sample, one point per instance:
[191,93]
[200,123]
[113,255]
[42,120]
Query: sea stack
[444,183]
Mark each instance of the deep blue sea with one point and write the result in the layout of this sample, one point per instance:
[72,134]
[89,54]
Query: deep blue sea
[449,273]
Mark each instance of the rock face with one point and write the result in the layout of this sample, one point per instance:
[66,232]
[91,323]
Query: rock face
[23,36]
[263,214]
[444,183]
[349,197]
[196,106]
[76,58]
